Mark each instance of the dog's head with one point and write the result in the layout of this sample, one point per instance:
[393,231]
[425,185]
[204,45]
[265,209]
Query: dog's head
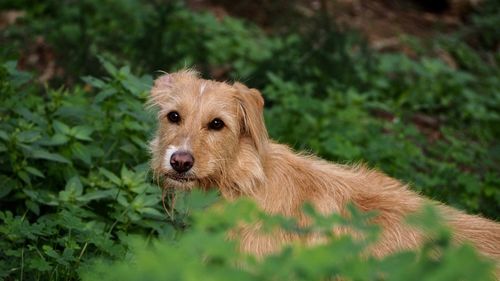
[202,128]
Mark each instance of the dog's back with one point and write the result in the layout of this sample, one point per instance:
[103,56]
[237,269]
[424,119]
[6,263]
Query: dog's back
[287,180]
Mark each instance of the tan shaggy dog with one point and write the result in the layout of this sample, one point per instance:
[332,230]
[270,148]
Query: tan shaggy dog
[212,134]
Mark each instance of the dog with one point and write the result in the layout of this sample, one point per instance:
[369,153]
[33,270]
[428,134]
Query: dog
[212,134]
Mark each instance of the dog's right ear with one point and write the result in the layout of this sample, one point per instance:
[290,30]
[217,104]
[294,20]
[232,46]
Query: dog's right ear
[252,108]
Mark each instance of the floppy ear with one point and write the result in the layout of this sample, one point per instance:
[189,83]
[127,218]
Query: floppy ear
[252,107]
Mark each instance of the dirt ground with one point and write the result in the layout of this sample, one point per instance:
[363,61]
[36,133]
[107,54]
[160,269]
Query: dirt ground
[383,22]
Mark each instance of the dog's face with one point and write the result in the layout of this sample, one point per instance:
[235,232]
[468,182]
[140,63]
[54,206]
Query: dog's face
[201,127]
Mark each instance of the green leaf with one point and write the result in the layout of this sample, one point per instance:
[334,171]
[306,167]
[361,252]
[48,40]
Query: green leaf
[82,152]
[152,212]
[56,139]
[24,176]
[110,68]
[70,220]
[133,125]
[33,206]
[34,171]
[39,264]
[140,142]
[3,135]
[49,251]
[138,187]
[43,154]
[74,185]
[104,94]
[29,115]
[151,200]
[122,200]
[6,185]
[127,176]
[134,84]
[129,148]
[61,128]
[97,195]
[112,177]
[28,136]
[42,196]
[82,132]
[18,77]
[73,189]
[94,82]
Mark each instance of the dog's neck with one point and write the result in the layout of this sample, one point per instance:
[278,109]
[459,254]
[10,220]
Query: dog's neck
[245,176]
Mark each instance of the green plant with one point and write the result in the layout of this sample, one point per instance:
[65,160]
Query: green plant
[74,176]
[485,24]
[204,252]
[151,35]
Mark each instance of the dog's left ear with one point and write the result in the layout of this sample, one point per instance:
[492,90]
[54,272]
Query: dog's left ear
[252,108]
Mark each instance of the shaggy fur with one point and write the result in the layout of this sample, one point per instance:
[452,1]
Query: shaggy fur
[241,160]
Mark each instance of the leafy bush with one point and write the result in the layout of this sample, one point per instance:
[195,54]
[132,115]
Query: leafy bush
[485,24]
[151,35]
[205,253]
[74,173]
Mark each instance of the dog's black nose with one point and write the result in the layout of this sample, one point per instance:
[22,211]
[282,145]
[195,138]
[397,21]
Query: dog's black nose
[181,161]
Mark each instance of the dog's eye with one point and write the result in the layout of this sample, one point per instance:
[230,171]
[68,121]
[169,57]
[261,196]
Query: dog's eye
[216,124]
[174,117]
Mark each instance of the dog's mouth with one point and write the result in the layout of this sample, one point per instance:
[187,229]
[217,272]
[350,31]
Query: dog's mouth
[181,178]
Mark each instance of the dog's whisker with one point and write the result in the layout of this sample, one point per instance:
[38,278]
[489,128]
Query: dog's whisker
[169,211]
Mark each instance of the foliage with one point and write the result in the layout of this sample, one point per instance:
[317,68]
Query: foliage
[74,183]
[134,31]
[204,252]
[74,173]
[485,24]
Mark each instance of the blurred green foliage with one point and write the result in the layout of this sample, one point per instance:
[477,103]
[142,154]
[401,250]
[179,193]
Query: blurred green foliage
[204,253]
[149,35]
[74,180]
